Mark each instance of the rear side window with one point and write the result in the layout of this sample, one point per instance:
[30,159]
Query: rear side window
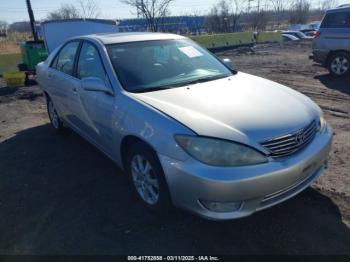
[90,64]
[337,20]
[64,62]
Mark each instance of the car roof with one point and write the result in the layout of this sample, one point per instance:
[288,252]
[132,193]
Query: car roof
[341,8]
[115,38]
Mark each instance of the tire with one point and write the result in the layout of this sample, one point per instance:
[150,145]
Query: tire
[55,120]
[150,189]
[339,64]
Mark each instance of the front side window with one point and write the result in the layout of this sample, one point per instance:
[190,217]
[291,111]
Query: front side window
[90,64]
[337,20]
[64,62]
[152,65]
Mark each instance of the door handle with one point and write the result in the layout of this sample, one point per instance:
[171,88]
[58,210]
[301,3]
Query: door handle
[49,76]
[75,91]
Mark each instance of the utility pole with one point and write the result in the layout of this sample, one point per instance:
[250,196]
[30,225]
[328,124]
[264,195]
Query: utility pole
[32,20]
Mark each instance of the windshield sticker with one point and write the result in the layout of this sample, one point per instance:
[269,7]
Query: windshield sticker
[190,51]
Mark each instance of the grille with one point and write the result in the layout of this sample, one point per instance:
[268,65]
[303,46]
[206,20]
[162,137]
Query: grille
[291,143]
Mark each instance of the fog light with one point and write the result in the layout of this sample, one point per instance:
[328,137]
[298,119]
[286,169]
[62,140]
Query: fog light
[221,207]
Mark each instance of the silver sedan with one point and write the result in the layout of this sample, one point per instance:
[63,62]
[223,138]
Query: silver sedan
[187,129]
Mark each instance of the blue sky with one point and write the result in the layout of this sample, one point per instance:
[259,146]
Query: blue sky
[15,10]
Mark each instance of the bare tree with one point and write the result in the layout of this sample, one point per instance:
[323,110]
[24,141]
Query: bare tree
[324,5]
[300,12]
[225,16]
[89,9]
[212,21]
[3,25]
[154,11]
[258,17]
[3,28]
[195,14]
[83,9]
[279,8]
[236,13]
[66,11]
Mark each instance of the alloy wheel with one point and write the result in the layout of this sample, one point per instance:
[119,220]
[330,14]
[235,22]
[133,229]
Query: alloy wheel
[144,179]
[340,65]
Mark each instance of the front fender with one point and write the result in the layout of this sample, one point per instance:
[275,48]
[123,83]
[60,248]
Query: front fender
[138,119]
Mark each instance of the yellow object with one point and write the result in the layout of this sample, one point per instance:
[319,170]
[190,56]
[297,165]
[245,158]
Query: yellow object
[14,79]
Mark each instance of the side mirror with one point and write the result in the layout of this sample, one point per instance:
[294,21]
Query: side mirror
[96,84]
[228,62]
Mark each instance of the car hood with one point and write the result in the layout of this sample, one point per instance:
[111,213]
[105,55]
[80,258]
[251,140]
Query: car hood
[242,108]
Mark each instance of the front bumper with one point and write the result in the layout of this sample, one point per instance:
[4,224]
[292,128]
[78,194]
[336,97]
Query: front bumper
[256,187]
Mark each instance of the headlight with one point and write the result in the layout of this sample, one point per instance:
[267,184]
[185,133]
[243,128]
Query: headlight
[322,124]
[216,152]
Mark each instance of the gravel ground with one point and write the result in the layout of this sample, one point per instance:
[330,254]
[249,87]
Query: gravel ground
[59,195]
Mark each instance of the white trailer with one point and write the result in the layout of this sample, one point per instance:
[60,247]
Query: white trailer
[55,32]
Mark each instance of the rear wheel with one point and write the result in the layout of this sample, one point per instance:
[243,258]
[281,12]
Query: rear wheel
[55,120]
[147,177]
[339,64]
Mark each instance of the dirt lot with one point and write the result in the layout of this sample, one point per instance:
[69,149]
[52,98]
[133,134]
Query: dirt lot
[59,195]
[8,48]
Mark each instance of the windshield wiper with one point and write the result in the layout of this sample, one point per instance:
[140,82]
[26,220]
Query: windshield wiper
[151,89]
[206,79]
[158,88]
[170,86]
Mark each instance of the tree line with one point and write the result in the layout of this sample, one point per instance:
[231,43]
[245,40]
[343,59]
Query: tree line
[237,15]
[224,16]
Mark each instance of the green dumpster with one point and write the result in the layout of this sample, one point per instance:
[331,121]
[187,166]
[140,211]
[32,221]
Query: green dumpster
[32,54]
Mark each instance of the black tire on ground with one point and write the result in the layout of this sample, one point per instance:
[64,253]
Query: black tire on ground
[55,120]
[339,64]
[163,202]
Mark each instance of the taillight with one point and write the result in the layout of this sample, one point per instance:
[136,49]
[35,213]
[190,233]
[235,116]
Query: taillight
[316,34]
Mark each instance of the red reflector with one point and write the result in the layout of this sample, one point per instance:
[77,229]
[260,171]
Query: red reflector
[316,34]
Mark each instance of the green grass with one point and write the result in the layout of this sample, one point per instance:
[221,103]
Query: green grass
[236,39]
[8,62]
[224,40]
[269,37]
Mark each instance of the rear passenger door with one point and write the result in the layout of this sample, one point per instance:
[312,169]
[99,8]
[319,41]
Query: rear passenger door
[64,83]
[96,107]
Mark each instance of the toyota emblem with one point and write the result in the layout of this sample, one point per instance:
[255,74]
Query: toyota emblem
[300,138]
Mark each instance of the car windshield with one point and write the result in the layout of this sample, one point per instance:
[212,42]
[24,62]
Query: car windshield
[162,64]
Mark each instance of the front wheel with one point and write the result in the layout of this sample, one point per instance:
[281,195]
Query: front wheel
[147,177]
[339,64]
